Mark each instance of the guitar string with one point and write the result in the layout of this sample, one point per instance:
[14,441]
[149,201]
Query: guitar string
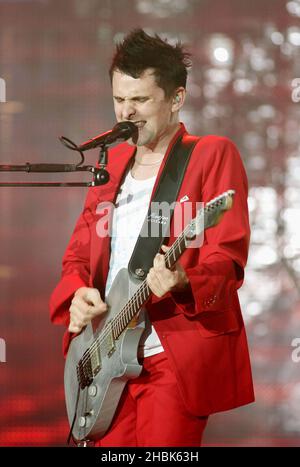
[128,307]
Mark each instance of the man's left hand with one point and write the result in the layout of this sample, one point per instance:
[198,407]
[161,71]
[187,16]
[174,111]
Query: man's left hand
[161,279]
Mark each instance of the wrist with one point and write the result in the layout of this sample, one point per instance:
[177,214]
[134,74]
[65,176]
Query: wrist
[182,285]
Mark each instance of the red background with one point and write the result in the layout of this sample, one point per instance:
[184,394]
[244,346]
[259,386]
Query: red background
[54,57]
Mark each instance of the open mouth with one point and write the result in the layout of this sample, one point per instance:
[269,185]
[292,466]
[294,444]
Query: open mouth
[140,123]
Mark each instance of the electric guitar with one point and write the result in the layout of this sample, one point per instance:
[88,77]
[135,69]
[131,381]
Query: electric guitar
[104,356]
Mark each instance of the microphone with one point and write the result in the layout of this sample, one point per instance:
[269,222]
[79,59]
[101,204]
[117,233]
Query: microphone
[120,132]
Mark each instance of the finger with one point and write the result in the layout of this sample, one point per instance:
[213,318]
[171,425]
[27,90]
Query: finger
[98,310]
[159,261]
[90,295]
[78,316]
[98,306]
[76,322]
[75,311]
[165,277]
[81,304]
[155,284]
[74,328]
[93,297]
[88,309]
[95,302]
[82,317]
[166,248]
[81,291]
[155,288]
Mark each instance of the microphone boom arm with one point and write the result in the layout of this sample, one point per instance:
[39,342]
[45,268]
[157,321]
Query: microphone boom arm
[121,132]
[100,175]
[52,168]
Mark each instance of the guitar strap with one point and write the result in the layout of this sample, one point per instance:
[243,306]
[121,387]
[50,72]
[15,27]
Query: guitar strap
[157,221]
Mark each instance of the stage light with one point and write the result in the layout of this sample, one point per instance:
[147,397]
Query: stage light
[293,8]
[221,54]
[293,35]
[277,38]
[221,50]
[254,309]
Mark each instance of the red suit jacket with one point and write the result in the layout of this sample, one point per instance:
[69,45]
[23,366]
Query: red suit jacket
[202,329]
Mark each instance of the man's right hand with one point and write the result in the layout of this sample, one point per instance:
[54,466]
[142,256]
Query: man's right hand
[85,305]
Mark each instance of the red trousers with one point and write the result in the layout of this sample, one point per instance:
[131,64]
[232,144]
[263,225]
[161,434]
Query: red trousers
[151,411]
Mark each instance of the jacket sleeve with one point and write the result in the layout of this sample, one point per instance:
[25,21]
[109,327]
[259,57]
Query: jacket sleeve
[75,269]
[219,271]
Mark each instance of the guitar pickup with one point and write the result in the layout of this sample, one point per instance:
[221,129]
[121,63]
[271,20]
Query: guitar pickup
[108,343]
[95,362]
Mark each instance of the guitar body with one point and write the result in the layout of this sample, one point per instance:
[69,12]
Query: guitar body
[98,401]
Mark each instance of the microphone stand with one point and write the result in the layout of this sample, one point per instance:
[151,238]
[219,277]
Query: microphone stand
[100,174]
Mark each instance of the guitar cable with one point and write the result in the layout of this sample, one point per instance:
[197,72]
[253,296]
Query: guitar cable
[74,418]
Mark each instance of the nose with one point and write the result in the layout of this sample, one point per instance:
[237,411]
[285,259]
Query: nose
[128,110]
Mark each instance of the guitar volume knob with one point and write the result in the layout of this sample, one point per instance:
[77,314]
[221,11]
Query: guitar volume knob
[82,422]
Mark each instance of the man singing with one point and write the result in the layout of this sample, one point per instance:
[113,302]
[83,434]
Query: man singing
[194,354]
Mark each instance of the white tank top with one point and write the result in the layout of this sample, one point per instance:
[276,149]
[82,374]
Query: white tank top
[130,211]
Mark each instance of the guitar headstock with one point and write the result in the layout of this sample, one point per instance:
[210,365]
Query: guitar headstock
[215,208]
[212,213]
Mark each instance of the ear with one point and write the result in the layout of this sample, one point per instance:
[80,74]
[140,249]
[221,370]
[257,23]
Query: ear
[178,99]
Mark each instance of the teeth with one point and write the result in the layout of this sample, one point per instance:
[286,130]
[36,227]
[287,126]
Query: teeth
[140,124]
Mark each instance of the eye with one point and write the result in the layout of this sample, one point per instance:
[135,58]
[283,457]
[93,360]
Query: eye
[118,99]
[141,99]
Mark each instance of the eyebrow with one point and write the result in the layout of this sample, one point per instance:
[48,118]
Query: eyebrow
[132,98]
